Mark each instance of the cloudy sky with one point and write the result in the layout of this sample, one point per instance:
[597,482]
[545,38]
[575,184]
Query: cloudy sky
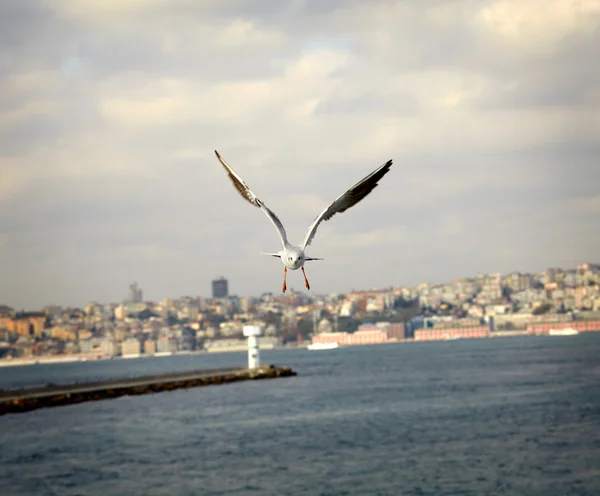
[110,111]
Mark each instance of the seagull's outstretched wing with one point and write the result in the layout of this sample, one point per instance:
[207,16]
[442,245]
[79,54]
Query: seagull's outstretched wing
[244,190]
[350,198]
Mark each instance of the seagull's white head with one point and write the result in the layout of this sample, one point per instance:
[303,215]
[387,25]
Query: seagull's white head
[293,258]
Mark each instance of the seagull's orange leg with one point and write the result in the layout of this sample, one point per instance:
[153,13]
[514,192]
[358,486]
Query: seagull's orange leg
[305,279]
[284,287]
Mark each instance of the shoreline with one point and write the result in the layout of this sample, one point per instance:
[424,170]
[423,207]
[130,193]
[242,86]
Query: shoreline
[53,359]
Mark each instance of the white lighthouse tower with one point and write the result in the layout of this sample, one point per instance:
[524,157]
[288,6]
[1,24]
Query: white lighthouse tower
[252,333]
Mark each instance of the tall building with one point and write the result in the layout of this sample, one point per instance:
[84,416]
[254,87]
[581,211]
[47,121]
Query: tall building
[220,288]
[135,294]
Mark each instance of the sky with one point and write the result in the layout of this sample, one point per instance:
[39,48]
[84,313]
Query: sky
[110,112]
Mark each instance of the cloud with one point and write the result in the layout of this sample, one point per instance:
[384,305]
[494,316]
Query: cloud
[375,237]
[293,94]
[26,111]
[588,205]
[241,33]
[28,82]
[539,25]
[109,116]
[106,11]
[13,177]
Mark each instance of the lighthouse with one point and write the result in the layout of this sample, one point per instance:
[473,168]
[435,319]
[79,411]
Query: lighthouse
[252,333]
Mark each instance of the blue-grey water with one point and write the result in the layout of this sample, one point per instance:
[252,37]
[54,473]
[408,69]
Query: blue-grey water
[511,416]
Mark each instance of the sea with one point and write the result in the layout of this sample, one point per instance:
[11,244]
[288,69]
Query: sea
[502,416]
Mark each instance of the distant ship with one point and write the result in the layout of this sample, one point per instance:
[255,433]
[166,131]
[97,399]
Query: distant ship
[322,346]
[563,332]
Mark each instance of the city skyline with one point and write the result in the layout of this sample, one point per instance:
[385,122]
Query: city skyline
[110,113]
[557,301]
[223,282]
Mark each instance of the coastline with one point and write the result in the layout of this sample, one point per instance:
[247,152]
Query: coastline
[51,359]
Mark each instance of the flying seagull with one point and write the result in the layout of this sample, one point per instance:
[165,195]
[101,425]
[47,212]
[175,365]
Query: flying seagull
[293,257]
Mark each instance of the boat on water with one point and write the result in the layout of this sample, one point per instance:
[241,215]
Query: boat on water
[322,346]
[563,332]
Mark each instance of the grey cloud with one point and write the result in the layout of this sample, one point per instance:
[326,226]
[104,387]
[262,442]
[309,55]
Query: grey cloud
[563,78]
[22,15]
[293,11]
[32,36]
[105,202]
[370,102]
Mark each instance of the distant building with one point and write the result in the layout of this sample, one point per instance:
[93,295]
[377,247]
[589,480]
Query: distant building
[63,333]
[165,344]
[356,338]
[98,346]
[133,308]
[108,347]
[324,326]
[396,330]
[53,310]
[135,294]
[130,347]
[87,345]
[6,310]
[452,333]
[220,288]
[27,323]
[149,347]
[245,304]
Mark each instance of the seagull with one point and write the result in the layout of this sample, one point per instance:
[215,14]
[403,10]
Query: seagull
[293,257]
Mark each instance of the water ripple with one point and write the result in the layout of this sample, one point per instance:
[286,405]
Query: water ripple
[482,417]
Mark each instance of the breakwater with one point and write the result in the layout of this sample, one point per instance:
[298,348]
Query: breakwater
[24,400]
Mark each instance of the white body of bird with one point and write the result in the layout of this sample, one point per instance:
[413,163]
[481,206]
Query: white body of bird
[291,256]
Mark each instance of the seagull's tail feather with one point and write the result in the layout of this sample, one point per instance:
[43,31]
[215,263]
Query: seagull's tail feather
[308,259]
[277,255]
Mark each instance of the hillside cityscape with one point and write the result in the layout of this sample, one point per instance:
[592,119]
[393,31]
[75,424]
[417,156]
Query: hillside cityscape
[487,305]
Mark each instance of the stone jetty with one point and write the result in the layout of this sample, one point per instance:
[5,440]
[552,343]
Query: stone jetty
[24,400]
